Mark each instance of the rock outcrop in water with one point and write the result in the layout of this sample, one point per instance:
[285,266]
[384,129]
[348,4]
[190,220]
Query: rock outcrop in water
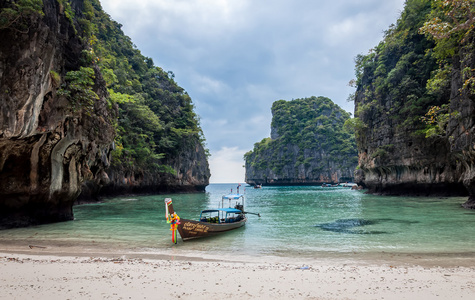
[309,145]
[70,123]
[415,112]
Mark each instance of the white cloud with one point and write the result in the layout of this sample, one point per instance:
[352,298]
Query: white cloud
[227,165]
[208,86]
[235,58]
[193,20]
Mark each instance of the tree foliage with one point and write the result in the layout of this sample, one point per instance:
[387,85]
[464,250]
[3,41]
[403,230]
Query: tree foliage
[450,17]
[451,24]
[156,116]
[16,14]
[409,75]
[400,79]
[311,125]
[78,88]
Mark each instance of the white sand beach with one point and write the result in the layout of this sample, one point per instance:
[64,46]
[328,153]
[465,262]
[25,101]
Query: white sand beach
[63,276]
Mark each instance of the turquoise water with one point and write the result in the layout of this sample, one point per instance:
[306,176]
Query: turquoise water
[303,221]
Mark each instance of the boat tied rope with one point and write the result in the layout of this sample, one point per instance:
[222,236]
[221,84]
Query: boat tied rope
[173,219]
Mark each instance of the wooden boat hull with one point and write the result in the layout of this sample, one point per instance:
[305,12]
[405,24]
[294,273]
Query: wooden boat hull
[190,229]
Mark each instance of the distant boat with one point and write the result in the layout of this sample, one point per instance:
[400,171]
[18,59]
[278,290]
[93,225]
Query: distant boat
[258,186]
[347,184]
[211,221]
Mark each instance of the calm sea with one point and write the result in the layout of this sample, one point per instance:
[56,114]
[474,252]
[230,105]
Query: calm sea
[294,222]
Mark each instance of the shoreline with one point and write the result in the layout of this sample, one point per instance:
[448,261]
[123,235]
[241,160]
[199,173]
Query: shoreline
[46,275]
[175,252]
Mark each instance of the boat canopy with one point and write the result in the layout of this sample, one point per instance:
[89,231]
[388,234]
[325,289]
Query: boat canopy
[233,196]
[227,210]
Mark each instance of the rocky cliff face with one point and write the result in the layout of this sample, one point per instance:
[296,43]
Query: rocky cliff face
[159,143]
[47,147]
[401,163]
[397,85]
[461,127]
[58,120]
[319,169]
[398,162]
[309,145]
[191,174]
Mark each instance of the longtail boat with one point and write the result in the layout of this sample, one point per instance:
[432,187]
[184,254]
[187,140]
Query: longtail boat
[211,221]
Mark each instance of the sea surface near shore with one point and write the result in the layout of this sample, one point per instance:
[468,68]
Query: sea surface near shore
[309,243]
[296,222]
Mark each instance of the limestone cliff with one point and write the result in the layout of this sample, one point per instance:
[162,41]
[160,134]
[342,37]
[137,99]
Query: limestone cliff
[47,147]
[309,145]
[84,114]
[191,174]
[414,111]
[461,126]
[159,143]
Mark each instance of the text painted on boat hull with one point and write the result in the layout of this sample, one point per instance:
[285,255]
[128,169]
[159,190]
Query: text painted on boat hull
[194,228]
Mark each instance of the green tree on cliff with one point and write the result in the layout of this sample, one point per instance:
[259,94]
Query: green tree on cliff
[307,136]
[156,116]
[451,25]
[391,79]
[17,15]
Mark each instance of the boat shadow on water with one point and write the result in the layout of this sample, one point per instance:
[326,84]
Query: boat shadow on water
[352,226]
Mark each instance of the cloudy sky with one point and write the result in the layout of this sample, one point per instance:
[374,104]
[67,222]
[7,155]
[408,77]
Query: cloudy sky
[236,57]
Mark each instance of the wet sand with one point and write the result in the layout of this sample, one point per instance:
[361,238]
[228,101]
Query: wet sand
[73,273]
